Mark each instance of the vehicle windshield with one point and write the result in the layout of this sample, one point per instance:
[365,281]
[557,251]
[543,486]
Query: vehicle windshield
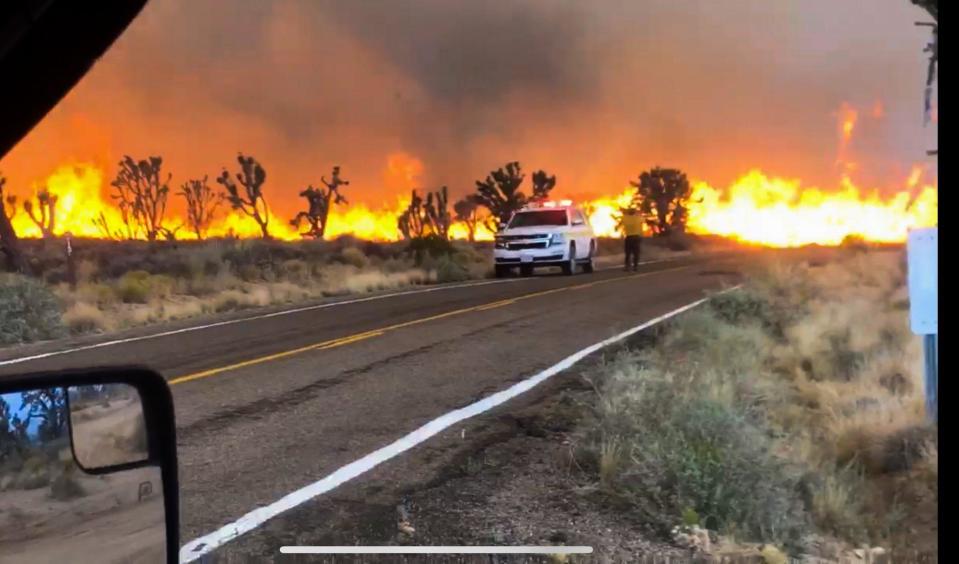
[539,218]
[378,249]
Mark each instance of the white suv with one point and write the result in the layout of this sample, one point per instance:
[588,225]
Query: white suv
[548,234]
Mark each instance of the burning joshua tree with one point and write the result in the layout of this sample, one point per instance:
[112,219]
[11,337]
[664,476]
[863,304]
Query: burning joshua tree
[500,192]
[466,211]
[662,194]
[201,204]
[44,214]
[250,201]
[429,217]
[9,244]
[141,195]
[320,201]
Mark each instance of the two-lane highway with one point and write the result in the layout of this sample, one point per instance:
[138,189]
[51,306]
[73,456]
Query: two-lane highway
[270,404]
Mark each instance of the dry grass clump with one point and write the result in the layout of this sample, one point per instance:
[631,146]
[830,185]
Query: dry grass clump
[83,317]
[131,283]
[816,366]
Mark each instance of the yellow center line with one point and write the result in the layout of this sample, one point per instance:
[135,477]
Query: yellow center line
[338,342]
[493,305]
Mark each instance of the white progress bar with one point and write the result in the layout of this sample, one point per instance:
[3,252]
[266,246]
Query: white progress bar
[436,549]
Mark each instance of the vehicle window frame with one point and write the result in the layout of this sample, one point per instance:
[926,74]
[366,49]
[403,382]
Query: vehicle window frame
[540,211]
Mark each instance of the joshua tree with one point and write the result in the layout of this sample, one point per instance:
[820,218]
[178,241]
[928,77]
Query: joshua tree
[466,212]
[413,223]
[438,213]
[320,201]
[44,214]
[542,184]
[8,203]
[500,193]
[9,243]
[201,204]
[50,407]
[663,195]
[250,200]
[141,195]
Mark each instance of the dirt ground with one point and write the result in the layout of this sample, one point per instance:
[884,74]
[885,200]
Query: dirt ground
[109,435]
[109,524]
[118,517]
[524,488]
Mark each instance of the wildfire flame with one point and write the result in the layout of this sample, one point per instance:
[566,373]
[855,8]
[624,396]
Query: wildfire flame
[755,209]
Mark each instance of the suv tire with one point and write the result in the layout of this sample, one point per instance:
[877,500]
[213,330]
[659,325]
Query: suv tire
[588,265]
[569,267]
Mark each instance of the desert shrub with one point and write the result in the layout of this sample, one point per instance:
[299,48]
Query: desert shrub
[448,269]
[35,463]
[682,453]
[102,295]
[134,288]
[296,271]
[741,306]
[65,485]
[233,300]
[836,502]
[134,438]
[814,364]
[55,275]
[85,318]
[139,286]
[176,263]
[87,271]
[34,474]
[355,257]
[376,250]
[429,246]
[29,311]
[261,253]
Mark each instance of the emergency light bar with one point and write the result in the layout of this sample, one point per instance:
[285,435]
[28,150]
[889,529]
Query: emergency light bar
[549,204]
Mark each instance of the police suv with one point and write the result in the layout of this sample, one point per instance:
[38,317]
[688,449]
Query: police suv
[545,234]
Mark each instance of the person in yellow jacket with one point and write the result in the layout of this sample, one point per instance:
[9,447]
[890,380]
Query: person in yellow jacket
[633,231]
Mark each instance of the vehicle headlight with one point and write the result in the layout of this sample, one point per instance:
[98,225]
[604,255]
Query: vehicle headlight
[556,239]
[499,243]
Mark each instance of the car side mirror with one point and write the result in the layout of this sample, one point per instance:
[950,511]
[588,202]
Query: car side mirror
[88,469]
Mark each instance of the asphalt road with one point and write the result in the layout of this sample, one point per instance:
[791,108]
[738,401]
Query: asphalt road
[270,404]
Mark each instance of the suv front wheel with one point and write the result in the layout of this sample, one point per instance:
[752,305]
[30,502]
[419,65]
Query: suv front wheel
[588,265]
[570,266]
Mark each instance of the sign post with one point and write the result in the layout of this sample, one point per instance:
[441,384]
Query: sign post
[923,252]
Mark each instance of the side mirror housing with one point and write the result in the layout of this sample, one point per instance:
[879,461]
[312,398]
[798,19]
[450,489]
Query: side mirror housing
[88,469]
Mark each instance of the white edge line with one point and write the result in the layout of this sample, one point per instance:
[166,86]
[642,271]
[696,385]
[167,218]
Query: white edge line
[436,550]
[207,543]
[437,288]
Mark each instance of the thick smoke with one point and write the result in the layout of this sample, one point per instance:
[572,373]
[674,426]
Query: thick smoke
[593,91]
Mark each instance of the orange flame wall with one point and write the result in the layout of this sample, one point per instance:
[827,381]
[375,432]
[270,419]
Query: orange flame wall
[755,209]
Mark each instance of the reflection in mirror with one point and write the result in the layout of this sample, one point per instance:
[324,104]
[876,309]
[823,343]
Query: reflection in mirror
[107,424]
[53,511]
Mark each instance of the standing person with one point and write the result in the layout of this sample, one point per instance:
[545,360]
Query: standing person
[633,230]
